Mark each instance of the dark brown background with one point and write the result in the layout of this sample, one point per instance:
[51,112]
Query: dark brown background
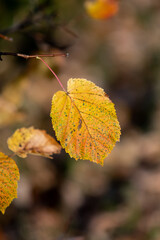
[62,198]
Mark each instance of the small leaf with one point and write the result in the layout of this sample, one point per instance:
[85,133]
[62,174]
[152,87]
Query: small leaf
[33,141]
[101,9]
[85,121]
[9,175]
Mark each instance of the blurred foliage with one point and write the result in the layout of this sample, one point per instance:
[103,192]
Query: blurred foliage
[62,197]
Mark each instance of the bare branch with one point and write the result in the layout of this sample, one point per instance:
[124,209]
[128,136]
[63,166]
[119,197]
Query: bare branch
[32,56]
[6,38]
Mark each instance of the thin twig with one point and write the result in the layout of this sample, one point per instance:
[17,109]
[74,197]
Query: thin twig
[38,57]
[6,38]
[31,56]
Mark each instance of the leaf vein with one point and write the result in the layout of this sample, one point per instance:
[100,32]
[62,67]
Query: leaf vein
[68,118]
[84,123]
[102,107]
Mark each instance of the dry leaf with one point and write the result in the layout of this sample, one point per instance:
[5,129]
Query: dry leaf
[9,175]
[101,9]
[33,141]
[85,121]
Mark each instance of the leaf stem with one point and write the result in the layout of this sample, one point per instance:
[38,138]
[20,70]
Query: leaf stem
[38,57]
[12,155]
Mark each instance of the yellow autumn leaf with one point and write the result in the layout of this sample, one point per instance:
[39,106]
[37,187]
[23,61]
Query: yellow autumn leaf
[9,175]
[85,121]
[33,141]
[101,9]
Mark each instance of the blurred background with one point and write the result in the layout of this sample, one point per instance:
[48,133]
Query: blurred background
[64,199]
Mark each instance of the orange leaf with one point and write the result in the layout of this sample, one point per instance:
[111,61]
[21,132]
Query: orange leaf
[101,9]
[33,141]
[85,121]
[9,175]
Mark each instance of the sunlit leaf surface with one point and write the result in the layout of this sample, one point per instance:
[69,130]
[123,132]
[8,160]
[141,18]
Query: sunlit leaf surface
[85,121]
[9,175]
[101,9]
